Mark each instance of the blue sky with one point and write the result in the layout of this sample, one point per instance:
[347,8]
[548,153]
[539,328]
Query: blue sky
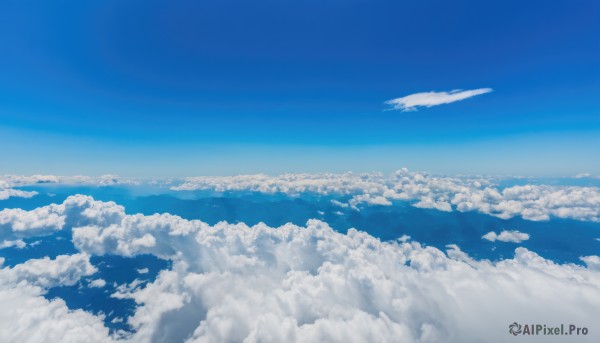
[176,88]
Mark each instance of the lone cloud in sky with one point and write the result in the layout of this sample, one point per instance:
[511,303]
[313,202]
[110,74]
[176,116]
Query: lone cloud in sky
[429,99]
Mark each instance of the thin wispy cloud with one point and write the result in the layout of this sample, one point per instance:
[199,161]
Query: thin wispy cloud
[430,99]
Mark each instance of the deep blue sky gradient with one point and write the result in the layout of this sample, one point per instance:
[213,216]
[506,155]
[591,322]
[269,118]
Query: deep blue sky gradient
[176,88]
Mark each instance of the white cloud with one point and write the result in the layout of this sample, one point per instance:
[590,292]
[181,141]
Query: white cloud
[64,270]
[369,199]
[339,204]
[6,191]
[593,262]
[25,316]
[98,283]
[147,241]
[9,181]
[512,236]
[234,283]
[76,210]
[117,320]
[19,244]
[429,99]
[143,270]
[23,180]
[292,184]
[404,238]
[17,224]
[429,202]
[532,202]
[490,236]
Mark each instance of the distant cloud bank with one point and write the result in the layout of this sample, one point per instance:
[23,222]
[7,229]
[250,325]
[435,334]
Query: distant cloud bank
[534,202]
[9,182]
[430,99]
[463,194]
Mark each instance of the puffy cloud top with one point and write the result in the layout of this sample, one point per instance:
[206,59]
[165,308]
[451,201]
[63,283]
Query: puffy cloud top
[235,283]
[17,223]
[65,270]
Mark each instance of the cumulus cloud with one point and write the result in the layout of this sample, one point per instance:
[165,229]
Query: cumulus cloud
[6,191]
[430,99]
[593,262]
[16,224]
[98,283]
[19,244]
[64,270]
[234,283]
[75,211]
[531,202]
[513,236]
[26,316]
[231,283]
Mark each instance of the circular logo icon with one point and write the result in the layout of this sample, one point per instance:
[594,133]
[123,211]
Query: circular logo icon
[514,328]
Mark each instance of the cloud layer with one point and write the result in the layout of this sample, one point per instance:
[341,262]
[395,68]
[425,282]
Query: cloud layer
[430,99]
[532,202]
[235,283]
[8,181]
